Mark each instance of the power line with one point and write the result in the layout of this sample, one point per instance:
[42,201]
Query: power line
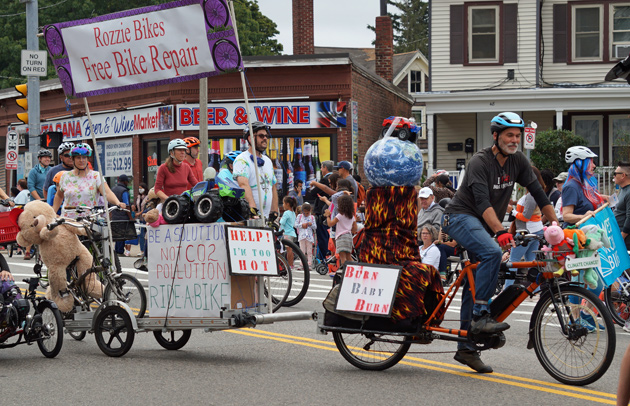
[39,8]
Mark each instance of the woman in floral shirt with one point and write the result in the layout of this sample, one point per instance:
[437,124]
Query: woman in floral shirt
[82,186]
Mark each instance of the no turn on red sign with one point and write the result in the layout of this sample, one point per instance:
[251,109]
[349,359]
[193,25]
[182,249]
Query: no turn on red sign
[530,137]
[11,157]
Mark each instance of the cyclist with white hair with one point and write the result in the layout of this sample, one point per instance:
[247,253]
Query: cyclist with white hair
[473,219]
[173,178]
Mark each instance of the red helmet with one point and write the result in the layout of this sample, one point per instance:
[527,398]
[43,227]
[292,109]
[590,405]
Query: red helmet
[192,141]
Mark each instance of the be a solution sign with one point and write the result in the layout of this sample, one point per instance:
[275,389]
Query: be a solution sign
[167,43]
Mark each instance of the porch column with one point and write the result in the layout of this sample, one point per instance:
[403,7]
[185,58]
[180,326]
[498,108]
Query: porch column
[559,119]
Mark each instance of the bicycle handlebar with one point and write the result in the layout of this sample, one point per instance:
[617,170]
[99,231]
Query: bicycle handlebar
[55,223]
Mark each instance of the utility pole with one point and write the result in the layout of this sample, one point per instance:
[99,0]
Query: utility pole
[32,44]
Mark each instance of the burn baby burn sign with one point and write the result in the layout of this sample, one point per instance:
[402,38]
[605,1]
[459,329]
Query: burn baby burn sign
[368,289]
[251,251]
[166,43]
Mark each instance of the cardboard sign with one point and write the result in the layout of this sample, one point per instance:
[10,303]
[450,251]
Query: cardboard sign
[614,260]
[368,289]
[133,49]
[188,270]
[592,261]
[251,251]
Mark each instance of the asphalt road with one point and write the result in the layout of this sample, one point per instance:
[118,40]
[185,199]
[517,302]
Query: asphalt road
[285,364]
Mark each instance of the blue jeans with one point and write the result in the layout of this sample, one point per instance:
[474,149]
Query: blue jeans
[470,233]
[527,253]
[445,252]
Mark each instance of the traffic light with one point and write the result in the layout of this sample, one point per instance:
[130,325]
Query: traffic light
[23,102]
[51,139]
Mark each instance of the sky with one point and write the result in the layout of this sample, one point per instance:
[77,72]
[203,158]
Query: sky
[339,23]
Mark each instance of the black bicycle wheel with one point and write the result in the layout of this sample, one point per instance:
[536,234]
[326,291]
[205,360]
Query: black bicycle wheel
[301,277]
[280,285]
[172,340]
[113,331]
[374,352]
[77,335]
[129,290]
[617,299]
[4,265]
[50,338]
[571,349]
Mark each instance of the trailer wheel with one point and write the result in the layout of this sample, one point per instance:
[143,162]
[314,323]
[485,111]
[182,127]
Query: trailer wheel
[172,340]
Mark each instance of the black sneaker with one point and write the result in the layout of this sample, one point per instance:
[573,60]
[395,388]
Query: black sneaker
[473,360]
[487,325]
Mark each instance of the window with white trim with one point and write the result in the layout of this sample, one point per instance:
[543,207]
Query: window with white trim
[620,137]
[590,128]
[483,34]
[587,33]
[415,81]
[620,31]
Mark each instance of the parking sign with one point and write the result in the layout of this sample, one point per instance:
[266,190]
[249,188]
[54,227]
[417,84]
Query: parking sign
[11,157]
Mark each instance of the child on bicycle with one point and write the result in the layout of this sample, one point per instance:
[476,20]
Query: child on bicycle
[306,227]
[287,223]
[346,226]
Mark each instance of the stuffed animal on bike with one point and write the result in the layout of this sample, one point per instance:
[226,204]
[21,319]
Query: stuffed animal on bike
[559,244]
[58,248]
[596,238]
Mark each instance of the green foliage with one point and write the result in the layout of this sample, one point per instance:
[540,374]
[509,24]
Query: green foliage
[411,26]
[550,148]
[255,30]
[621,147]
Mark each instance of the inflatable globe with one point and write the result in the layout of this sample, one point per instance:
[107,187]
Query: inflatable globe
[392,162]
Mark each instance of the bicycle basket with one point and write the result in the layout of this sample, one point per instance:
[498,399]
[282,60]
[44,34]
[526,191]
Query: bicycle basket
[8,230]
[551,259]
[123,230]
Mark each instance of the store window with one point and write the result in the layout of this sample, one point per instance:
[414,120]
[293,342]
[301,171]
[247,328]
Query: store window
[590,128]
[155,153]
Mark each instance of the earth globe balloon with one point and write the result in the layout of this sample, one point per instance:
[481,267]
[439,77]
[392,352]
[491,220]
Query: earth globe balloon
[392,162]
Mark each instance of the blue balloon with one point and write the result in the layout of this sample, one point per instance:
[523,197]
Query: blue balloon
[392,162]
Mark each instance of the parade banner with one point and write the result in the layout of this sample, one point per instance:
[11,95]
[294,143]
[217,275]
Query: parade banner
[368,289]
[133,49]
[615,259]
[251,251]
[290,115]
[188,270]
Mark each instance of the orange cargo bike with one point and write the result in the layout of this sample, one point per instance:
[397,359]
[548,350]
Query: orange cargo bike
[571,330]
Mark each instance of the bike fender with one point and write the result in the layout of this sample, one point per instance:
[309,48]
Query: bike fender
[134,322]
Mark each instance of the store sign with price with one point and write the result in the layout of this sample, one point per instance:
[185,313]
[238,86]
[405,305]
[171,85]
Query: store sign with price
[115,156]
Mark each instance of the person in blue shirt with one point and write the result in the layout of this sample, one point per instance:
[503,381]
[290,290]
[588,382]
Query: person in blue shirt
[580,197]
[37,175]
[287,223]
[52,191]
[65,164]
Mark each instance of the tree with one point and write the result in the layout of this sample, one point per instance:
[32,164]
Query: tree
[256,31]
[550,148]
[411,26]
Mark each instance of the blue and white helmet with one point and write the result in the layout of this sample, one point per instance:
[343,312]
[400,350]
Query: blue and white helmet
[506,120]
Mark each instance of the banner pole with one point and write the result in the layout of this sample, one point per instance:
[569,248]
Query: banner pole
[252,145]
[600,208]
[100,173]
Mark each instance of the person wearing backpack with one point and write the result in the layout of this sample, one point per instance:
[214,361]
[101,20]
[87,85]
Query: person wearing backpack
[360,190]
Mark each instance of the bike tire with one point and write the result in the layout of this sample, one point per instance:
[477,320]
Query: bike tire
[573,356]
[77,335]
[171,340]
[129,290]
[113,331]
[52,329]
[4,265]
[358,350]
[280,285]
[616,299]
[301,278]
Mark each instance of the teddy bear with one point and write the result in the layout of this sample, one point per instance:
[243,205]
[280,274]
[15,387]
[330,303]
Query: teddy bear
[58,248]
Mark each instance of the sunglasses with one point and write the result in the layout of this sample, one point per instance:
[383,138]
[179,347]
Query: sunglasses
[66,155]
[263,136]
[618,173]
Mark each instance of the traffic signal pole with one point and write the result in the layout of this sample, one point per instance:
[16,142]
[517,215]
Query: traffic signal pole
[32,44]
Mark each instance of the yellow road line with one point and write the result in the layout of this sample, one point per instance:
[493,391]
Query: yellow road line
[426,364]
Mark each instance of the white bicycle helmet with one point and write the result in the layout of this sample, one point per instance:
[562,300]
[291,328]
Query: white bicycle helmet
[578,152]
[177,143]
[65,146]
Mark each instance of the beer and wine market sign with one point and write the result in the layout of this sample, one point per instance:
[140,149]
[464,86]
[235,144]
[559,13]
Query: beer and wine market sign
[133,49]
